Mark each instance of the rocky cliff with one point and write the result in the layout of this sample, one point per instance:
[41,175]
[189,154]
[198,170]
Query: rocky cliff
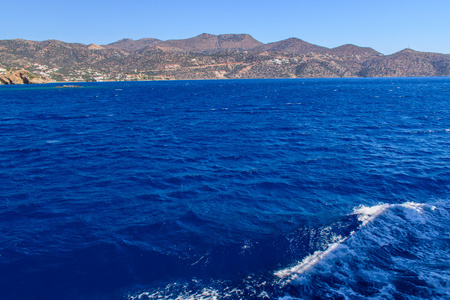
[20,77]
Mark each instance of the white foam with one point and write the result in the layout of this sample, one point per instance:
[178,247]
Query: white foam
[185,293]
[366,214]
[308,262]
[412,205]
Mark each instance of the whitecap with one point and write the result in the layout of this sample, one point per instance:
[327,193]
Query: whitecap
[308,262]
[365,215]
[405,245]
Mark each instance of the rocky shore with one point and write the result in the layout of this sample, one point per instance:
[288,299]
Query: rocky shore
[20,76]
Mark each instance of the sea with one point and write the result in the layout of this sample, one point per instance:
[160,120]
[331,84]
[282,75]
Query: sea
[226,189]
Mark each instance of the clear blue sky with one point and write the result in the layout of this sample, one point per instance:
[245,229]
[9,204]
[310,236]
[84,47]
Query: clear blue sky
[385,25]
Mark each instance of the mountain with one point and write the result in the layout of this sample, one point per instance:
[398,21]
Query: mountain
[132,45]
[292,45]
[349,50]
[204,43]
[208,56]
[18,52]
[407,63]
[208,43]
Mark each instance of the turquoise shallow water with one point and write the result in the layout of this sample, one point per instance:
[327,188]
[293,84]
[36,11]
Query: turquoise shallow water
[233,189]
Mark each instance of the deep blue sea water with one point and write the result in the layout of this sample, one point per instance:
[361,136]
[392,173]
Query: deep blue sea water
[230,189]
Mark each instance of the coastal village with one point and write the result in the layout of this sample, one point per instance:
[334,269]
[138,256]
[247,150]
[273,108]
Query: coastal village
[85,74]
[81,75]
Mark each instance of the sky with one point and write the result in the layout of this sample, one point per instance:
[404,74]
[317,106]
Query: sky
[387,26]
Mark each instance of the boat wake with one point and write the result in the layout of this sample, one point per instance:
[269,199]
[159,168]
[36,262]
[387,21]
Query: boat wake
[398,250]
[377,259]
[365,215]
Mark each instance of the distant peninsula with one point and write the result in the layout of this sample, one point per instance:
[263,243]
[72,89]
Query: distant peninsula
[206,56]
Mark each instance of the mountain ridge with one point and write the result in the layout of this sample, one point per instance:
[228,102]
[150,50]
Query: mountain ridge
[208,56]
[293,45]
[208,41]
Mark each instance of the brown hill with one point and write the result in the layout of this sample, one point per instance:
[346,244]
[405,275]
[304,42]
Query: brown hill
[209,43]
[56,54]
[352,50]
[95,47]
[407,63]
[132,45]
[292,45]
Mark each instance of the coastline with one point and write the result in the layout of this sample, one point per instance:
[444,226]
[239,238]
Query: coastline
[222,79]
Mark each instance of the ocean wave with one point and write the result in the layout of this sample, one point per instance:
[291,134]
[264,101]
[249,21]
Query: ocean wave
[371,262]
[397,251]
